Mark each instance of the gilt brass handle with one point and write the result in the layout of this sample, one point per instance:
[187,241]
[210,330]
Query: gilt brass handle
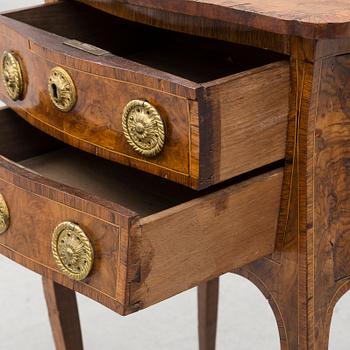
[4,215]
[62,90]
[144,128]
[12,76]
[72,251]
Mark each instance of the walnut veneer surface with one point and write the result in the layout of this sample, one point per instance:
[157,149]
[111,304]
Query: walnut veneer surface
[308,18]
[283,224]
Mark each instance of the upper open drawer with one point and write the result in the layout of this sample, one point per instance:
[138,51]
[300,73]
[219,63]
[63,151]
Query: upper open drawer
[193,110]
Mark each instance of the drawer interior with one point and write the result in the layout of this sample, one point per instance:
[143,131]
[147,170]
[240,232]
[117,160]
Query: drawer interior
[143,193]
[171,52]
[132,189]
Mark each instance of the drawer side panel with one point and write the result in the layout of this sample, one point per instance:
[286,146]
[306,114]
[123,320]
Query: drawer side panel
[201,239]
[252,110]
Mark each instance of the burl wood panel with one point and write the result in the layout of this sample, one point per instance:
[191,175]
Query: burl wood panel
[215,130]
[307,18]
[310,270]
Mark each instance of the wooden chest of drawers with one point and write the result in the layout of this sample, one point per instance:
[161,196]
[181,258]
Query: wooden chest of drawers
[154,145]
[123,237]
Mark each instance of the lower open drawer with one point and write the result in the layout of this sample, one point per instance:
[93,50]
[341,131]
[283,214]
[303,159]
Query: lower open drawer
[63,211]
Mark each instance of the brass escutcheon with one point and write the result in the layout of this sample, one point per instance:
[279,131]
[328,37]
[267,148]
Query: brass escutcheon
[143,128]
[62,90]
[4,215]
[12,75]
[72,251]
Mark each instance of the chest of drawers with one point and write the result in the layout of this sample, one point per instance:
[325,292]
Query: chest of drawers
[151,146]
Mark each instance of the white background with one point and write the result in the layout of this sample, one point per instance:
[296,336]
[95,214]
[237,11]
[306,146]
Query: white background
[246,321]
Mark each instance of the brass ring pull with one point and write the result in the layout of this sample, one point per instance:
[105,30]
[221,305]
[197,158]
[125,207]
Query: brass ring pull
[62,90]
[12,76]
[144,128]
[72,251]
[4,215]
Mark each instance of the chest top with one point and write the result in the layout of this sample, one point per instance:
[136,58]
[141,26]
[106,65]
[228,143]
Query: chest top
[307,18]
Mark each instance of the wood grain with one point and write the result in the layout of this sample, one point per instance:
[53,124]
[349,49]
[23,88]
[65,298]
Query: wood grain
[331,192]
[288,284]
[216,129]
[310,271]
[131,189]
[183,246]
[38,204]
[35,244]
[309,19]
[186,245]
[208,297]
[64,316]
[249,134]
[200,26]
[96,126]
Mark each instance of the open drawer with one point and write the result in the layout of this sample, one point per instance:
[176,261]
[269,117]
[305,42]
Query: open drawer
[193,110]
[120,236]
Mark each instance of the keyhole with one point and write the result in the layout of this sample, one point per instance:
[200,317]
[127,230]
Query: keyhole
[54,91]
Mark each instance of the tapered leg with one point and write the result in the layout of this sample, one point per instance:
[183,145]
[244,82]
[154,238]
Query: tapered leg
[64,317]
[208,297]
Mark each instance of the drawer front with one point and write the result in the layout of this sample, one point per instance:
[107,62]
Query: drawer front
[95,123]
[33,219]
[36,207]
[139,262]
[199,133]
